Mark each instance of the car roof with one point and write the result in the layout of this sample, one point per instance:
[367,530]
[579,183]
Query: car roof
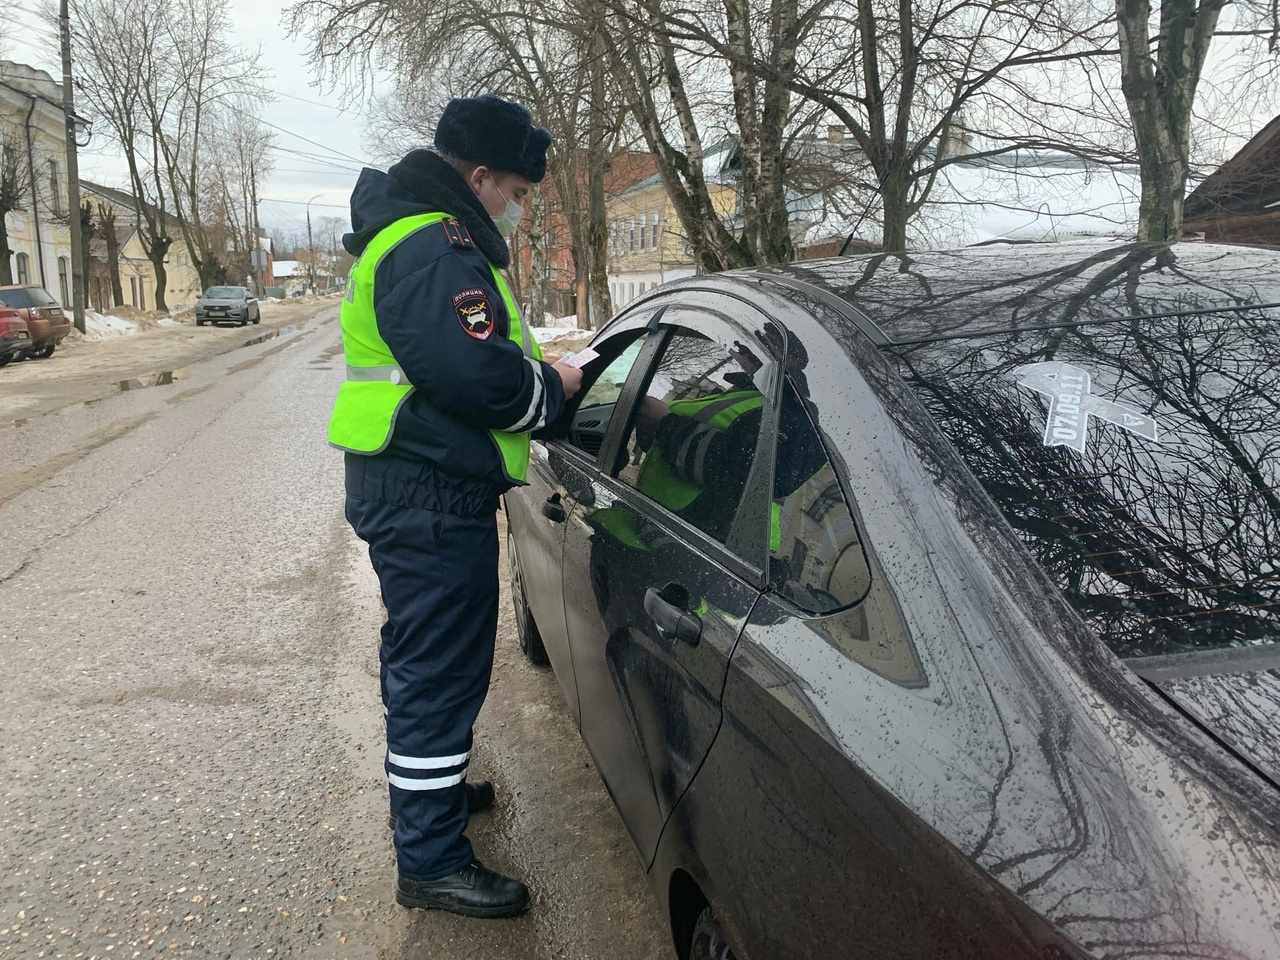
[913,297]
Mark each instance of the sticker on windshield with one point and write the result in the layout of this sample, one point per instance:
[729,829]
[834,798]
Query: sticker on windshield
[1071,405]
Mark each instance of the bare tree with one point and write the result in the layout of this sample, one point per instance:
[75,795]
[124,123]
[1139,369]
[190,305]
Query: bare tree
[540,53]
[15,194]
[1160,76]
[205,74]
[238,159]
[160,73]
[105,217]
[121,44]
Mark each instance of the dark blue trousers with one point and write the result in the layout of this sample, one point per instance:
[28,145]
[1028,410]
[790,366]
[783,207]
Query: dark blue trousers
[439,578]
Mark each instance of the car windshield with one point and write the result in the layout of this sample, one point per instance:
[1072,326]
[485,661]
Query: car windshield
[24,297]
[1139,462]
[224,293]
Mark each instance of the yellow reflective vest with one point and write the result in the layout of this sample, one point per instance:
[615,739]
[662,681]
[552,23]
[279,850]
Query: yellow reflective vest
[364,413]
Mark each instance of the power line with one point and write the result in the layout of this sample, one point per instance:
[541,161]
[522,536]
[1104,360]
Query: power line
[316,158]
[315,173]
[297,136]
[314,103]
[303,203]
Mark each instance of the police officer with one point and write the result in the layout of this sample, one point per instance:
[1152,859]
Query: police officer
[444,388]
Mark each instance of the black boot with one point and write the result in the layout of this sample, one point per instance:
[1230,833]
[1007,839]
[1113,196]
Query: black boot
[474,891]
[479,797]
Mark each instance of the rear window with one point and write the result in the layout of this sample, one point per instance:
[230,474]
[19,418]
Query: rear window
[26,297]
[1138,461]
[224,293]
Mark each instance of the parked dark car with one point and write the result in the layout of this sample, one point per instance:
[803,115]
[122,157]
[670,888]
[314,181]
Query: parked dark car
[928,605]
[15,340]
[47,325]
[227,303]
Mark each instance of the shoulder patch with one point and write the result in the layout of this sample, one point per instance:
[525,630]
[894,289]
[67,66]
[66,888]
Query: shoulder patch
[457,234]
[474,312]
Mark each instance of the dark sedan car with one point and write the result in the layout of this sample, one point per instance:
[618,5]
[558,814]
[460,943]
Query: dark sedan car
[236,304]
[928,605]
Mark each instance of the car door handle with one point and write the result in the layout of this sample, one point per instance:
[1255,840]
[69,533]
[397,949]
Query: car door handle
[673,621]
[553,510]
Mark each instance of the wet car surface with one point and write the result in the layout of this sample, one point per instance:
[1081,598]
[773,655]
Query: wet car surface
[927,604]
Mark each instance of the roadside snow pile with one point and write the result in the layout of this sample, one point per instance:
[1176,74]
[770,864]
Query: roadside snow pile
[166,322]
[100,327]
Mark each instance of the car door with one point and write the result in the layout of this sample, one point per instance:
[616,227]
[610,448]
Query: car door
[657,582]
[536,513]
[535,541]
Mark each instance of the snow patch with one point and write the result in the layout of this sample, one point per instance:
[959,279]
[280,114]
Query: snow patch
[97,326]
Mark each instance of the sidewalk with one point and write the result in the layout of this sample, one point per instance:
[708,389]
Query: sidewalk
[84,370]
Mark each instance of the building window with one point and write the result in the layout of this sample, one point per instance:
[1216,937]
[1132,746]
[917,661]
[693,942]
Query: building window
[62,281]
[631,246]
[631,292]
[55,188]
[137,292]
[24,268]
[644,234]
[653,229]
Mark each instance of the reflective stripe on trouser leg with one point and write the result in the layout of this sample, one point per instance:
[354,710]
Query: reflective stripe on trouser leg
[439,577]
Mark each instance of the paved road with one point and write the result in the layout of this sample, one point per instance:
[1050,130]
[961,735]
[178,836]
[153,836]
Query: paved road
[80,371]
[192,746]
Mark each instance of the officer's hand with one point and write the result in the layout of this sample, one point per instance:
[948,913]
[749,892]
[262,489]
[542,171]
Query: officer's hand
[570,377]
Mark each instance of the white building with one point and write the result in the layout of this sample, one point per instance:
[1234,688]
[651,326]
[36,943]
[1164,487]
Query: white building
[33,149]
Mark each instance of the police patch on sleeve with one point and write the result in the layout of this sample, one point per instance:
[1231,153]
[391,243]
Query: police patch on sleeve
[474,312]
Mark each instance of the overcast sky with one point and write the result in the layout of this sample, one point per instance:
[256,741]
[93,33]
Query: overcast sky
[298,115]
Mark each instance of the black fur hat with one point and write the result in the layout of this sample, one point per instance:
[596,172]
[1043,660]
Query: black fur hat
[496,133]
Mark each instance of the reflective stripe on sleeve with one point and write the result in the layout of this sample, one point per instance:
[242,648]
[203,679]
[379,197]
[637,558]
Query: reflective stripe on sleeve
[535,417]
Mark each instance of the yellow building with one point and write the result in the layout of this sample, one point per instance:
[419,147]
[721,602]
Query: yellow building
[32,152]
[647,246]
[137,273]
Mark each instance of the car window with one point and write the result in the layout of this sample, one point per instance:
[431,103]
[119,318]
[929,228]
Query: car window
[595,410]
[224,293]
[25,297]
[693,439]
[816,558]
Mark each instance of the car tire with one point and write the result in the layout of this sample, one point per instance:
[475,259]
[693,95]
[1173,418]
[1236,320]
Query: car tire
[199,322]
[43,353]
[244,321]
[5,359]
[530,639]
[257,317]
[708,941]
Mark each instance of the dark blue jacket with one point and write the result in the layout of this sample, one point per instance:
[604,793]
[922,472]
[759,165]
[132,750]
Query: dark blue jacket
[468,381]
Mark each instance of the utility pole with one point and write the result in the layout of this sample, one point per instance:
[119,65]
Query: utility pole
[259,260]
[311,244]
[73,172]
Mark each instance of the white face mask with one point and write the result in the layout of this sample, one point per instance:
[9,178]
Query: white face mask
[510,218]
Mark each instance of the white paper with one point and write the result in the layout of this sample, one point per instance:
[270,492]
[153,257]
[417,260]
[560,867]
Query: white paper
[581,358]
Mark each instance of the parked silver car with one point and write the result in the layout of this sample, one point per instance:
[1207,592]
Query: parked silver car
[227,304]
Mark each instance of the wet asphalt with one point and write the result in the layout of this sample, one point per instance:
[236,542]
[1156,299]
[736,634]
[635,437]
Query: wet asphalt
[192,740]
